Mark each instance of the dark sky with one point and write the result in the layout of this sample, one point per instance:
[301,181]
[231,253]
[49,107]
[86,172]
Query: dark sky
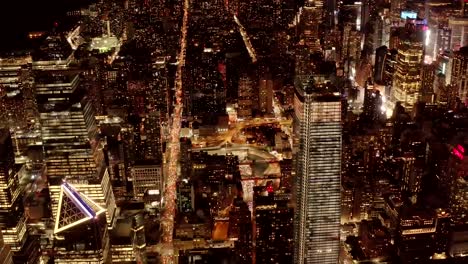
[17,17]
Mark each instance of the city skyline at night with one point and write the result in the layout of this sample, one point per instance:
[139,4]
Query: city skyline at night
[240,131]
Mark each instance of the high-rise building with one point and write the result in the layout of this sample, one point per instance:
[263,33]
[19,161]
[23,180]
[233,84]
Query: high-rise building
[72,150]
[17,108]
[152,137]
[428,72]
[246,98]
[443,40]
[459,73]
[80,231]
[407,79]
[240,229]
[380,58]
[147,179]
[459,36]
[457,177]
[351,49]
[12,221]
[318,205]
[311,18]
[265,96]
[416,233]
[273,226]
[69,135]
[5,252]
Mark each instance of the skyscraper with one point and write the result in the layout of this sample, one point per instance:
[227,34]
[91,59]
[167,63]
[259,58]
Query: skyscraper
[69,134]
[273,226]
[311,18]
[407,79]
[147,177]
[5,253]
[317,216]
[80,231]
[459,73]
[265,96]
[12,221]
[459,36]
[246,97]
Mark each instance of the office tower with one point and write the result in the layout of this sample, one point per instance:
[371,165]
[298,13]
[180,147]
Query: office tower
[459,36]
[265,96]
[415,237]
[311,18]
[444,34]
[12,220]
[411,174]
[80,230]
[457,172]
[69,135]
[127,238]
[372,112]
[185,196]
[138,238]
[17,108]
[351,49]
[383,28]
[240,229]
[116,155]
[147,179]
[72,150]
[442,231]
[245,100]
[273,226]
[380,58]
[428,72]
[407,79]
[459,73]
[153,137]
[5,252]
[317,217]
[286,168]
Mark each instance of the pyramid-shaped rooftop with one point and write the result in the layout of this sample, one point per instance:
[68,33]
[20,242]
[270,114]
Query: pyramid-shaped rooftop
[74,208]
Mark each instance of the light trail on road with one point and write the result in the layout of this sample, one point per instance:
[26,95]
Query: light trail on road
[246,39]
[168,215]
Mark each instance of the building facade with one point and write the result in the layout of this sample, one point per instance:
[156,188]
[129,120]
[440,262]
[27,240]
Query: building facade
[318,199]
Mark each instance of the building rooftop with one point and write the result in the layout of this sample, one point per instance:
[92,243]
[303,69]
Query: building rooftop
[74,208]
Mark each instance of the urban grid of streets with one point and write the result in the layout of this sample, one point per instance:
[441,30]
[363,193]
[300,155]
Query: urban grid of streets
[167,249]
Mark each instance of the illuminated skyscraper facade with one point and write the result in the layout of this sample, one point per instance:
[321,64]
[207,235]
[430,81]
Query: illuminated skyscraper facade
[5,253]
[311,18]
[459,73]
[407,79]
[69,134]
[317,216]
[246,97]
[12,221]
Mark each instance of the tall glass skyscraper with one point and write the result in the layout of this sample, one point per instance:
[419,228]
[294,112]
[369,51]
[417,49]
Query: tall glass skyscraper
[72,150]
[318,177]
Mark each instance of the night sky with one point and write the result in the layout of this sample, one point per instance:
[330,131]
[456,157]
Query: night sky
[17,17]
